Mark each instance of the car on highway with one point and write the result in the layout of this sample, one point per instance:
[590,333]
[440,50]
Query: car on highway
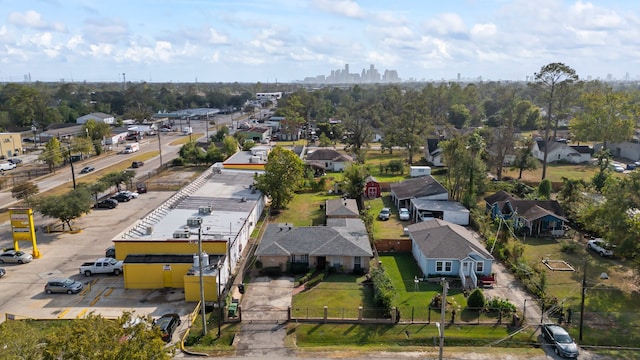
[403,214]
[87,169]
[106,204]
[63,286]
[137,164]
[384,214]
[167,323]
[563,343]
[15,257]
[599,246]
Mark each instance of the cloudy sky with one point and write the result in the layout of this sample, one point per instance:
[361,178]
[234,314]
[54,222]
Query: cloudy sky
[288,40]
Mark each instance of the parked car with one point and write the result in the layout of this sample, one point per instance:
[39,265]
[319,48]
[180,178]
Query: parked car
[15,160]
[87,169]
[15,257]
[167,323]
[385,214]
[560,339]
[2,272]
[131,194]
[137,164]
[106,204]
[403,214]
[600,246]
[141,188]
[122,197]
[62,286]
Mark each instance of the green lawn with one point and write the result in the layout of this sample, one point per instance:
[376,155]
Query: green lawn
[342,294]
[389,229]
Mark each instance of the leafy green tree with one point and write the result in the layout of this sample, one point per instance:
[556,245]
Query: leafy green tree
[324,140]
[229,146]
[283,175]
[476,299]
[607,116]
[544,189]
[25,191]
[95,337]
[192,153]
[117,178]
[94,188]
[52,155]
[221,134]
[524,159]
[214,154]
[553,81]
[96,132]
[67,207]
[459,116]
[14,345]
[355,176]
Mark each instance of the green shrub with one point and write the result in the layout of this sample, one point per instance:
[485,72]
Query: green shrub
[499,304]
[258,264]
[569,247]
[271,271]
[178,161]
[316,280]
[476,299]
[298,268]
[382,288]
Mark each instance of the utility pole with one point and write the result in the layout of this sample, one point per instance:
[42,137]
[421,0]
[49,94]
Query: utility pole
[443,308]
[160,148]
[73,174]
[202,305]
[584,292]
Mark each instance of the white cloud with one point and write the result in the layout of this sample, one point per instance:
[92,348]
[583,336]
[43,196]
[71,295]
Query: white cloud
[108,31]
[33,19]
[346,8]
[216,38]
[484,30]
[75,42]
[592,17]
[100,50]
[446,24]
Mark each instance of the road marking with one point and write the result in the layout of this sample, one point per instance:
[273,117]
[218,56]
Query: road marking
[95,300]
[81,314]
[108,292]
[63,313]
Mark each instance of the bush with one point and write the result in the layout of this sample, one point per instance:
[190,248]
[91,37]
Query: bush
[298,268]
[178,161]
[382,287]
[316,280]
[476,299]
[271,271]
[569,247]
[258,264]
[499,304]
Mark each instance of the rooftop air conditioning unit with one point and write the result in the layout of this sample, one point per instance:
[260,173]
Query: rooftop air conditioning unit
[194,221]
[181,234]
[149,230]
[205,210]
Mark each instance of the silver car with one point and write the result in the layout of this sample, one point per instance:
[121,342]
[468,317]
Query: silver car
[15,257]
[68,286]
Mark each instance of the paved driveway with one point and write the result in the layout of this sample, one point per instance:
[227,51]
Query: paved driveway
[264,313]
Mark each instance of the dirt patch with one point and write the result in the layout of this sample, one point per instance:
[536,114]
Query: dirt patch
[173,178]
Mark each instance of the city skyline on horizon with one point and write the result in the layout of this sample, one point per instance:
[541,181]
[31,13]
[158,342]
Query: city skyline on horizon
[288,41]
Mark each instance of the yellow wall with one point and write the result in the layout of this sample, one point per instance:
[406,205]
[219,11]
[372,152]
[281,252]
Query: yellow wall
[154,276]
[10,144]
[244,166]
[192,288]
[180,247]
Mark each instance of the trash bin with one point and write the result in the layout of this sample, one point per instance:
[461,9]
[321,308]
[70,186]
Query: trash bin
[232,310]
[241,288]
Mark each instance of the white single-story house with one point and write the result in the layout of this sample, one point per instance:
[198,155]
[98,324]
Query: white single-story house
[433,153]
[441,248]
[451,211]
[560,151]
[329,159]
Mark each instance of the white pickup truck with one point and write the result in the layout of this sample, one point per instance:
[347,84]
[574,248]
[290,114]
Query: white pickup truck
[102,266]
[7,166]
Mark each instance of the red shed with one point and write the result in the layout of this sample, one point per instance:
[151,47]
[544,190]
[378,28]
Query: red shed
[372,188]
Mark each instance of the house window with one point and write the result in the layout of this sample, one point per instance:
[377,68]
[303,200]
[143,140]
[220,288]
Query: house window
[443,266]
[479,267]
[300,259]
[357,262]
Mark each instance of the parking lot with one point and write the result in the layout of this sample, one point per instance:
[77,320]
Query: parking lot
[22,288]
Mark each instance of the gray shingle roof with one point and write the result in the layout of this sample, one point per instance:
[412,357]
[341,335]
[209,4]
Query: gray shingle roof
[335,240]
[342,208]
[422,186]
[440,239]
[328,155]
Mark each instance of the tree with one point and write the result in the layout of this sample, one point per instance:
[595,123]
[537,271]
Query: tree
[67,207]
[544,189]
[24,191]
[283,174]
[116,178]
[96,131]
[355,177]
[476,299]
[95,337]
[52,155]
[607,116]
[222,133]
[524,159]
[192,153]
[229,146]
[551,78]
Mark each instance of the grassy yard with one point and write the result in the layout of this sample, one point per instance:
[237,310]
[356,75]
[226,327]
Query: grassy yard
[555,172]
[610,305]
[342,294]
[389,229]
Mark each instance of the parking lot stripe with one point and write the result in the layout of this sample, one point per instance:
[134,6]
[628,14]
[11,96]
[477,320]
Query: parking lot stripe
[63,313]
[108,292]
[81,314]
[95,300]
